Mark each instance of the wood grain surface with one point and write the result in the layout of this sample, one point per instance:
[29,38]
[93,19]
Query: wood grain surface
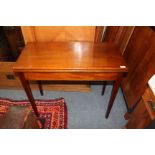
[70,57]
[140,57]
[58,33]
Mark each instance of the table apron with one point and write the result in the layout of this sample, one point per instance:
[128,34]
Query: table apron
[72,76]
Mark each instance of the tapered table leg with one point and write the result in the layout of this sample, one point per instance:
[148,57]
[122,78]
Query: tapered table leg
[40,87]
[113,95]
[103,87]
[28,91]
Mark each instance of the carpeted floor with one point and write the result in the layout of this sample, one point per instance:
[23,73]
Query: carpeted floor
[85,110]
[16,114]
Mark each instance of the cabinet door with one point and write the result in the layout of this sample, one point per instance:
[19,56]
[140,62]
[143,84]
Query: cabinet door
[119,35]
[140,118]
[58,33]
[140,56]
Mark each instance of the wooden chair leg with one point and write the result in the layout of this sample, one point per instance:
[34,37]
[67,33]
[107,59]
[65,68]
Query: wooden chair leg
[40,87]
[103,88]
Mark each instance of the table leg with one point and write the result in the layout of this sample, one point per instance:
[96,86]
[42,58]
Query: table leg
[28,91]
[40,87]
[103,88]
[113,95]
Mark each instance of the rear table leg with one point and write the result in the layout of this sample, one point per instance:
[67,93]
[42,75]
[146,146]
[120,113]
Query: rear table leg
[40,87]
[103,88]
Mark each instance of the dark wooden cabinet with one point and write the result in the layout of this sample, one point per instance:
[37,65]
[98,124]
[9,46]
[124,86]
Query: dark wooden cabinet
[140,57]
[144,113]
[119,35]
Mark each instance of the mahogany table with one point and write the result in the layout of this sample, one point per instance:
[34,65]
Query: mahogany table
[70,61]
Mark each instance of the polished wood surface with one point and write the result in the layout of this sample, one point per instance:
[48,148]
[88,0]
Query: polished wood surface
[112,33]
[71,76]
[28,34]
[125,38]
[99,34]
[148,97]
[140,118]
[70,57]
[58,33]
[70,61]
[143,114]
[5,83]
[140,57]
[119,35]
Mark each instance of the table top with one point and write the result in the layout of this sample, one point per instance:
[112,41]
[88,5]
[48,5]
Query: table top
[70,57]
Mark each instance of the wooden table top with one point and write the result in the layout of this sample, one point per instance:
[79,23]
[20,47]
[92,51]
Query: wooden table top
[70,57]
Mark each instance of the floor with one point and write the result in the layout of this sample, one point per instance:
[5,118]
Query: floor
[85,110]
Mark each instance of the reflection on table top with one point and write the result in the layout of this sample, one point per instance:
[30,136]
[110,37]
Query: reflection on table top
[70,56]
